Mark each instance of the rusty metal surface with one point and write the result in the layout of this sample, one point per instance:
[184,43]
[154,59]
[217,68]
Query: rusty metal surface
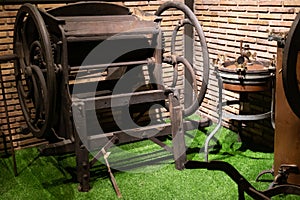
[246,88]
[255,77]
[56,85]
[246,73]
[287,137]
[254,67]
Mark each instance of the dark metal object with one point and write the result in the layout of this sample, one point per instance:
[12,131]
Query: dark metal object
[242,76]
[268,171]
[194,21]
[59,86]
[246,74]
[4,59]
[35,70]
[10,2]
[243,184]
[290,66]
[279,38]
[283,174]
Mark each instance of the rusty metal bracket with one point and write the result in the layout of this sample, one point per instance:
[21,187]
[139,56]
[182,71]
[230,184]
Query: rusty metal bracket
[283,174]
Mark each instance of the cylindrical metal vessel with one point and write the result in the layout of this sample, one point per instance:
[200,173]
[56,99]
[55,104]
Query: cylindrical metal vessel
[255,77]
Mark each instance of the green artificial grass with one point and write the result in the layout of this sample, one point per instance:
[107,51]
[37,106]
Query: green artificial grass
[142,171]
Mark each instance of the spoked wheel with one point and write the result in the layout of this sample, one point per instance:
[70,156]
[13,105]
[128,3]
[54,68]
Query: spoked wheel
[291,66]
[191,19]
[34,71]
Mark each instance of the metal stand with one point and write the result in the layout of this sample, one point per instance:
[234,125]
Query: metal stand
[221,113]
[4,59]
[177,127]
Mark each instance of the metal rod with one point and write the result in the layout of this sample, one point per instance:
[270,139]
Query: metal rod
[220,116]
[8,125]
[112,177]
[107,65]
[7,58]
[10,2]
[273,104]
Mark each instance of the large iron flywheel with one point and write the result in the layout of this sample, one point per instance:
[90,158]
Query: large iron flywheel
[291,66]
[34,71]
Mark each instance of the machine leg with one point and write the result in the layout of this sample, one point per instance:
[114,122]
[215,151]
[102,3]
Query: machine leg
[83,166]
[179,148]
[4,143]
[241,193]
[7,121]
[82,153]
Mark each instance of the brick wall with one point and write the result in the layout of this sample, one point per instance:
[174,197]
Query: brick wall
[7,18]
[225,24]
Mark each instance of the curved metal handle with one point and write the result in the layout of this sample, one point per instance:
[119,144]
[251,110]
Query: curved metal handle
[191,19]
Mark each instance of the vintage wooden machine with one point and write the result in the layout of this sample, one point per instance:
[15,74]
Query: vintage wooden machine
[89,76]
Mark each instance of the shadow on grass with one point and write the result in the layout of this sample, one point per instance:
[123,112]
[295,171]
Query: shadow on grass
[7,178]
[66,165]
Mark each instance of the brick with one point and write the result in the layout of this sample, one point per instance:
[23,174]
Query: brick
[291,3]
[6,40]
[288,17]
[270,16]
[280,23]
[210,2]
[11,7]
[199,7]
[252,9]
[218,8]
[227,2]
[8,14]
[248,3]
[282,10]
[6,27]
[270,2]
[3,34]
